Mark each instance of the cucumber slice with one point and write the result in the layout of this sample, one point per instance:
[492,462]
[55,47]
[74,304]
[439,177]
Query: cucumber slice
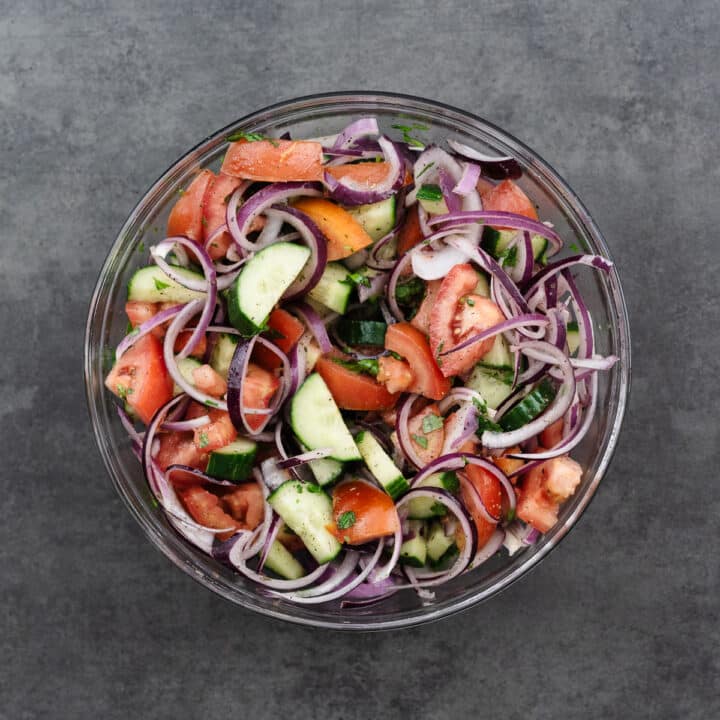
[381,465]
[499,356]
[317,422]
[186,367]
[378,219]
[283,563]
[234,461]
[261,283]
[496,242]
[573,337]
[494,386]
[432,200]
[483,285]
[222,353]
[529,407]
[307,510]
[151,284]
[440,547]
[326,470]
[423,508]
[333,290]
[413,552]
[362,332]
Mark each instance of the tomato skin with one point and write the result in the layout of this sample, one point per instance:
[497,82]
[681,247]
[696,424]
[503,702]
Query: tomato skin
[245,503]
[508,197]
[217,434]
[179,449]
[183,337]
[187,214]
[410,233]
[435,439]
[275,161]
[534,506]
[258,390]
[454,319]
[396,375]
[206,509]
[214,209]
[411,344]
[287,331]
[141,378]
[375,514]
[421,320]
[491,492]
[207,380]
[351,390]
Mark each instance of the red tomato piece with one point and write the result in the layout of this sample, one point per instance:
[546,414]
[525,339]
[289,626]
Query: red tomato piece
[214,208]
[206,509]
[458,314]
[508,197]
[258,390]
[362,513]
[187,214]
[179,449]
[421,320]
[207,380]
[286,331]
[491,492]
[353,390]
[245,503]
[396,375]
[275,160]
[141,378]
[408,342]
[218,433]
[428,444]
[410,233]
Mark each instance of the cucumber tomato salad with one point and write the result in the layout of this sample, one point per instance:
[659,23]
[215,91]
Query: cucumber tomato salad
[357,365]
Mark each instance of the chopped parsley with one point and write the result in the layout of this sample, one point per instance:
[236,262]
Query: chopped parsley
[141,246]
[357,278]
[574,246]
[508,258]
[484,422]
[242,135]
[421,441]
[395,355]
[204,440]
[424,170]
[431,422]
[369,366]
[211,403]
[407,137]
[437,508]
[160,285]
[346,520]
[510,516]
[410,292]
[123,391]
[469,301]
[431,193]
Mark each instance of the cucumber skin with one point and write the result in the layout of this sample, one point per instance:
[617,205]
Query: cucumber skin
[237,318]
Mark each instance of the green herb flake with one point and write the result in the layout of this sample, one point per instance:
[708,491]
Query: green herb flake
[574,246]
[368,366]
[180,191]
[204,440]
[424,170]
[160,285]
[395,355]
[407,137]
[437,508]
[420,440]
[241,135]
[510,516]
[211,403]
[469,301]
[141,246]
[357,278]
[431,423]
[312,488]
[431,193]
[346,520]
[123,392]
[411,292]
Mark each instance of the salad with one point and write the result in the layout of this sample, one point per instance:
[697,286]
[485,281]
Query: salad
[357,365]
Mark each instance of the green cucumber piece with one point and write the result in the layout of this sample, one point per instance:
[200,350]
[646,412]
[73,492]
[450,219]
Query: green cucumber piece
[283,563]
[413,552]
[307,510]
[496,242]
[317,422]
[499,356]
[377,219]
[440,547]
[233,462]
[151,284]
[361,332]
[423,507]
[261,283]
[495,386]
[186,367]
[529,407]
[432,200]
[381,465]
[222,353]
[333,290]
[483,285]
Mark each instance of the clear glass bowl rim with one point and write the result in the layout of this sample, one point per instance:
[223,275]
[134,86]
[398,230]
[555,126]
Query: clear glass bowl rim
[171,545]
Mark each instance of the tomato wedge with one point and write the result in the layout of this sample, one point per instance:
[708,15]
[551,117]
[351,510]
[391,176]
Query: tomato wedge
[508,197]
[274,160]
[206,509]
[457,315]
[187,214]
[491,492]
[179,449]
[411,344]
[421,320]
[428,444]
[534,505]
[410,233]
[214,208]
[367,173]
[258,389]
[362,513]
[396,375]
[343,232]
[286,331]
[352,390]
[217,434]
[245,503]
[141,378]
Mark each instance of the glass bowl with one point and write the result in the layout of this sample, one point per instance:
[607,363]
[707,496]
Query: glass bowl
[316,116]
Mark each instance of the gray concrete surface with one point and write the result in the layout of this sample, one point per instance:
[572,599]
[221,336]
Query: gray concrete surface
[96,99]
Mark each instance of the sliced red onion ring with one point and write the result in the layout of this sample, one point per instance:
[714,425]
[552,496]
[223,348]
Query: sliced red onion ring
[303,458]
[239,221]
[364,127]
[196,476]
[378,280]
[497,167]
[395,275]
[459,395]
[447,183]
[555,410]
[499,218]
[314,239]
[468,180]
[339,574]
[433,264]
[540,277]
[470,488]
[155,321]
[380,574]
[489,549]
[460,427]
[127,423]
[375,259]
[586,337]
[159,251]
[269,540]
[314,323]
[468,528]
[530,319]
[403,432]
[350,192]
[183,425]
[273,476]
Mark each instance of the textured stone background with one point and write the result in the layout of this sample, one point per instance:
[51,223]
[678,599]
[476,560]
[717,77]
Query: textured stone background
[96,99]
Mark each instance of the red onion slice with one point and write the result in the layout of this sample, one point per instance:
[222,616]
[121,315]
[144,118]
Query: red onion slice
[403,432]
[364,127]
[314,323]
[296,460]
[468,180]
[542,276]
[185,425]
[497,167]
[155,321]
